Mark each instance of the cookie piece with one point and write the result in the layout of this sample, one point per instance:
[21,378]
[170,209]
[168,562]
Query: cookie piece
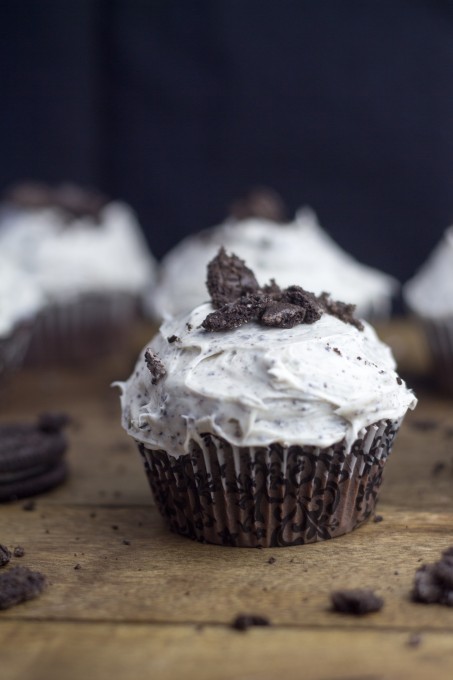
[433,582]
[357,601]
[31,457]
[18,585]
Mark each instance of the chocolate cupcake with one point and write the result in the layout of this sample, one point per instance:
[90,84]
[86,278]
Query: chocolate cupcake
[265,417]
[429,296]
[296,251]
[88,257]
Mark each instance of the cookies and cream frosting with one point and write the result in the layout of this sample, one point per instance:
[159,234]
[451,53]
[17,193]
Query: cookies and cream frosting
[430,292]
[309,378]
[69,257]
[299,252]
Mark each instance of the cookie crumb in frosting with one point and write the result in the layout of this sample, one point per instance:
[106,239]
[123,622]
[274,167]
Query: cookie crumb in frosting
[155,366]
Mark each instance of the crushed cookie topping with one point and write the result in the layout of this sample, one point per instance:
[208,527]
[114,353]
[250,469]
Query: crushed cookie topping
[238,298]
[155,366]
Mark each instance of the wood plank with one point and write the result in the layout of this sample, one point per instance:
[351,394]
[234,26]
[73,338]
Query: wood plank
[163,577]
[105,651]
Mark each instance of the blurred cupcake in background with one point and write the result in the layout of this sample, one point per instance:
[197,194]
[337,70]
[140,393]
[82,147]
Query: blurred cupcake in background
[20,302]
[89,258]
[429,295]
[297,251]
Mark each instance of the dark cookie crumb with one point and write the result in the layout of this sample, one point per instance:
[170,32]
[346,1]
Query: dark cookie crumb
[378,518]
[357,601]
[29,506]
[433,583]
[155,366]
[78,566]
[398,380]
[271,560]
[282,315]
[115,527]
[126,542]
[18,551]
[246,621]
[235,314]
[228,279]
[414,640]
[238,299]
[18,585]
[5,555]
[173,338]
[342,311]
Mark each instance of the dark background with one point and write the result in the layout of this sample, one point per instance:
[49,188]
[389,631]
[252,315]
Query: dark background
[178,106]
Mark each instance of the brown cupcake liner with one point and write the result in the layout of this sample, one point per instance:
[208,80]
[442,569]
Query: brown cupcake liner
[269,496]
[439,336]
[81,329]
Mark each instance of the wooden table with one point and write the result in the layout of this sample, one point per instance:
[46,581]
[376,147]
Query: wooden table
[146,603]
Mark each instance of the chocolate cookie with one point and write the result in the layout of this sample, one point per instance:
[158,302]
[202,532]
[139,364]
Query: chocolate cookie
[31,457]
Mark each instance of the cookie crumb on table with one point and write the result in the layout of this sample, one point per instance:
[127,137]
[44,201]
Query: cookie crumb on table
[18,585]
[357,601]
[433,583]
[246,621]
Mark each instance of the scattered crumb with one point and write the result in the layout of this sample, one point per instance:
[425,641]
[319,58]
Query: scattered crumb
[357,601]
[173,338]
[92,515]
[126,542]
[78,566]
[271,560]
[246,621]
[433,583]
[5,555]
[414,640]
[29,506]
[115,527]
[18,551]
[377,519]
[18,585]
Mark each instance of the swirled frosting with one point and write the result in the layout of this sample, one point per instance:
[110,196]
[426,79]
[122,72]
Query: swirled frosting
[300,252]
[430,292]
[20,299]
[66,259]
[309,385]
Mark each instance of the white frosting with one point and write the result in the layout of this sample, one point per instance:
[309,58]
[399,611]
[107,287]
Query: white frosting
[430,292]
[69,259]
[20,299]
[297,253]
[254,385]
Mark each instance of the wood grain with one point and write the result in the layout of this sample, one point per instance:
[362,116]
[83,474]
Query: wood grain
[136,604]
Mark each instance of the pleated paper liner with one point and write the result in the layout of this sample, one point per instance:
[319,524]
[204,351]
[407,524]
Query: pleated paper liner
[13,348]
[269,496]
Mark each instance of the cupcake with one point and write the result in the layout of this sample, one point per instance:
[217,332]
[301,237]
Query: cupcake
[265,417]
[88,257]
[20,302]
[297,252]
[429,295]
